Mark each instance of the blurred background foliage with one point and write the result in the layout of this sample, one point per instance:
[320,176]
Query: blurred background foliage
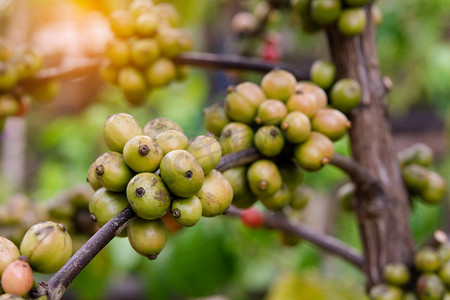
[219,256]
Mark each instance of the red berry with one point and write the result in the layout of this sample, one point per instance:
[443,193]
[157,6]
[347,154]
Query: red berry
[252,218]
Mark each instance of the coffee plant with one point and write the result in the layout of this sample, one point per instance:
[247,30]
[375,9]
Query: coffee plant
[265,136]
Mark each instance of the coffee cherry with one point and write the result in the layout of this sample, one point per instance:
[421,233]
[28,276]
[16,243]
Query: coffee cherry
[161,72]
[158,125]
[304,103]
[108,71]
[291,173]
[278,84]
[118,129]
[345,95]
[147,237]
[419,153]
[26,64]
[385,292]
[8,77]
[146,24]
[118,52]
[315,152]
[444,252]
[269,140]
[288,239]
[253,218]
[131,80]
[185,40]
[396,274]
[216,194]
[331,123]
[168,13]
[435,188]
[142,154]
[444,273]
[377,15]
[168,41]
[10,297]
[243,23]
[112,172]
[215,118]
[410,296]
[181,172]
[235,136]
[415,177]
[300,197]
[243,100]
[352,21]
[307,87]
[356,2]
[345,195]
[325,12]
[45,92]
[17,278]
[296,127]
[170,140]
[271,112]
[92,179]
[140,7]
[9,253]
[264,178]
[430,287]
[47,245]
[277,201]
[323,73]
[242,196]
[207,151]
[186,211]
[144,51]
[148,196]
[122,23]
[104,205]
[427,260]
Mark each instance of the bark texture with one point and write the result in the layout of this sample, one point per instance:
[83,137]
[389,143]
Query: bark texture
[383,215]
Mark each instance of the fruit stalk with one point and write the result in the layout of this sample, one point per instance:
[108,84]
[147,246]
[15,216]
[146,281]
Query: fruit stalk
[383,218]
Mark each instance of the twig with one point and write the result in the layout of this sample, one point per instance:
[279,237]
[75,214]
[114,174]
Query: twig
[239,158]
[61,73]
[328,243]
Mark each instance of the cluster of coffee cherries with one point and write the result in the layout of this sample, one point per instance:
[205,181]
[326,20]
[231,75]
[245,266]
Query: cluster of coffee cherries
[428,185]
[288,122]
[348,15]
[45,248]
[139,56]
[428,279]
[156,170]
[16,67]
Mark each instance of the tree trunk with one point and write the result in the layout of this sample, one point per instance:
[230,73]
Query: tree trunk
[383,217]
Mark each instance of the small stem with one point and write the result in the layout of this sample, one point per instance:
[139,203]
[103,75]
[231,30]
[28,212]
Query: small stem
[328,243]
[238,158]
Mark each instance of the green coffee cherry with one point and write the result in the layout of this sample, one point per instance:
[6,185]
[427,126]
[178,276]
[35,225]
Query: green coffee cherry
[345,195]
[419,153]
[427,260]
[277,201]
[435,189]
[104,205]
[131,80]
[345,95]
[331,123]
[385,292]
[235,136]
[147,237]
[444,273]
[215,118]
[161,72]
[415,177]
[118,52]
[168,13]
[148,196]
[410,296]
[142,154]
[300,197]
[118,129]
[315,152]
[8,77]
[352,21]
[444,252]
[307,87]
[264,178]
[181,172]
[396,274]
[296,127]
[325,12]
[430,287]
[242,102]
[122,23]
[9,253]
[288,239]
[304,103]
[323,73]
[242,195]
[269,140]
[356,2]
[278,84]
[171,139]
[146,24]
[291,173]
[158,125]
[206,150]
[112,172]
[92,179]
[271,112]
[140,7]
[144,52]
[216,194]
[186,211]
[168,41]
[47,245]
